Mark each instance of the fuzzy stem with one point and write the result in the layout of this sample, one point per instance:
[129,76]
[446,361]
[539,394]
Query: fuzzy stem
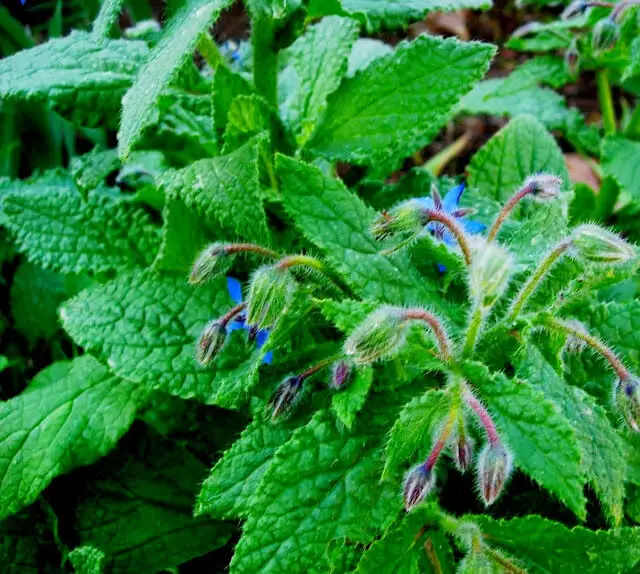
[232,248]
[455,228]
[224,320]
[432,556]
[506,564]
[439,161]
[593,342]
[606,102]
[437,328]
[307,261]
[508,207]
[472,331]
[534,281]
[441,442]
[484,416]
[318,366]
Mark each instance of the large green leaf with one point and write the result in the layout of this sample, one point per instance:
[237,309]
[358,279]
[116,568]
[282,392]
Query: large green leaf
[71,415]
[621,161]
[399,102]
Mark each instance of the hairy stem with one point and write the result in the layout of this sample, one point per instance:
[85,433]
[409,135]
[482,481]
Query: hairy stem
[442,439]
[452,224]
[484,416]
[606,102]
[229,315]
[232,248]
[506,210]
[311,262]
[472,331]
[319,366]
[436,326]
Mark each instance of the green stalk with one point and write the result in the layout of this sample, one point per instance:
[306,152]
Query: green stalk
[439,161]
[265,59]
[210,51]
[472,332]
[606,102]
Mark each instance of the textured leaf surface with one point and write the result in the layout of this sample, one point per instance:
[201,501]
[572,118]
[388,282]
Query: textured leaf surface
[547,547]
[603,452]
[109,12]
[248,116]
[346,403]
[137,509]
[520,149]
[53,428]
[59,230]
[337,221]
[175,47]
[317,62]
[87,560]
[621,160]
[398,103]
[324,483]
[227,85]
[82,78]
[544,445]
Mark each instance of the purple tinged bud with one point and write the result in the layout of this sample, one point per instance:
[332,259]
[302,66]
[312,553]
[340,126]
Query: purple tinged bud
[210,342]
[576,8]
[463,453]
[405,218]
[605,35]
[212,261]
[342,372]
[286,397]
[626,397]
[572,59]
[595,244]
[495,464]
[379,336]
[418,483]
[544,186]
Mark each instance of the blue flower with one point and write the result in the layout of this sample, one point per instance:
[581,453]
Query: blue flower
[240,321]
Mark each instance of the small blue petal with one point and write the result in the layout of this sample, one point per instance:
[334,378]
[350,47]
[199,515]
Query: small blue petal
[473,226]
[427,202]
[268,358]
[235,289]
[261,338]
[441,268]
[236,325]
[452,199]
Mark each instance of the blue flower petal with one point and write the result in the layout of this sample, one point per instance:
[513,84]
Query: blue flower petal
[236,325]
[441,268]
[261,337]
[268,358]
[473,227]
[452,199]
[427,202]
[235,289]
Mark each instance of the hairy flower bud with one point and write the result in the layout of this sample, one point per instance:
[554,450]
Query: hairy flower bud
[489,274]
[544,186]
[379,336]
[477,562]
[341,373]
[597,245]
[270,292]
[463,452]
[605,35]
[405,218]
[212,260]
[286,396]
[626,397]
[575,8]
[210,342]
[494,468]
[418,483]
[572,59]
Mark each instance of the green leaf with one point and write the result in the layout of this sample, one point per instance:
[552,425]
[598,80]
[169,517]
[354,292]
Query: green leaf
[91,169]
[518,150]
[87,560]
[136,508]
[248,116]
[364,52]
[177,45]
[546,546]
[51,429]
[347,403]
[324,483]
[603,452]
[398,103]
[346,314]
[225,191]
[337,221]
[145,327]
[621,161]
[227,491]
[109,13]
[58,230]
[79,77]
[411,435]
[543,443]
[227,85]
[317,62]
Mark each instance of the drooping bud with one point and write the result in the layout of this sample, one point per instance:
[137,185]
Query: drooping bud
[626,397]
[576,8]
[405,218]
[490,274]
[544,186]
[210,342]
[286,397]
[605,35]
[494,468]
[463,452]
[380,335]
[418,483]
[572,59]
[213,260]
[270,292]
[341,373]
[476,562]
[597,245]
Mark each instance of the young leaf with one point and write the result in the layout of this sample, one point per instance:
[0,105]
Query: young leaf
[79,77]
[91,169]
[621,161]
[346,403]
[521,148]
[398,103]
[248,116]
[543,443]
[603,452]
[52,428]
[364,52]
[227,85]
[58,230]
[317,62]
[177,44]
[87,560]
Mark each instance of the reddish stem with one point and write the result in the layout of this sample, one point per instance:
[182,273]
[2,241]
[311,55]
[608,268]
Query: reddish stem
[441,442]
[452,224]
[435,324]
[250,247]
[484,416]
[508,207]
[224,320]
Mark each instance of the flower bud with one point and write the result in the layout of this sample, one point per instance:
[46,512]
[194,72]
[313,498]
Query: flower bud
[597,245]
[213,260]
[494,468]
[544,186]
[405,218]
[572,59]
[418,483]
[210,342]
[626,396]
[463,452]
[286,397]
[270,292]
[477,562]
[341,373]
[605,35]
[379,336]
[490,274]
[576,8]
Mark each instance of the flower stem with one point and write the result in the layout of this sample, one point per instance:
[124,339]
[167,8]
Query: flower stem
[508,207]
[437,328]
[606,102]
[318,367]
[453,226]
[484,416]
[311,262]
[441,441]
[224,320]
[534,281]
[472,331]
[251,248]
[439,161]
